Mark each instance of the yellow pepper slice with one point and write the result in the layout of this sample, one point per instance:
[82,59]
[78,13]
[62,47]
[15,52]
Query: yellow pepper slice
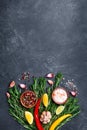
[58,121]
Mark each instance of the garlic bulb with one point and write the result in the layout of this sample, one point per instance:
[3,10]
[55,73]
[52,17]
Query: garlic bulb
[45,117]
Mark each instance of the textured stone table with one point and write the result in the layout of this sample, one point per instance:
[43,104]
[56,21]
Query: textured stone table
[43,36]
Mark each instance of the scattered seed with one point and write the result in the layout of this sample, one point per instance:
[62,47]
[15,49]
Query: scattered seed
[71,86]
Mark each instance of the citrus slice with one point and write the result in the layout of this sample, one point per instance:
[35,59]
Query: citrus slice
[29,117]
[59,109]
[45,99]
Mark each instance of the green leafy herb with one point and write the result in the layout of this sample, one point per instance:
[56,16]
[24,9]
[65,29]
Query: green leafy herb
[39,86]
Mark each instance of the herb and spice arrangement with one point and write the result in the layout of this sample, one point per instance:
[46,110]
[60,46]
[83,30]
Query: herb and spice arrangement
[45,104]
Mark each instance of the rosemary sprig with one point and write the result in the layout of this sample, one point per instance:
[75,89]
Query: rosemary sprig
[17,110]
[57,80]
[39,86]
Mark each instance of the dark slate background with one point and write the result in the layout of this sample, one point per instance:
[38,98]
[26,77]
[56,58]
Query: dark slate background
[43,36]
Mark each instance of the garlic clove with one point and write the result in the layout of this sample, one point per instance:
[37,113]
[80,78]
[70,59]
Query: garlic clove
[44,113]
[50,82]
[8,95]
[48,120]
[23,86]
[50,75]
[12,84]
[73,93]
[45,122]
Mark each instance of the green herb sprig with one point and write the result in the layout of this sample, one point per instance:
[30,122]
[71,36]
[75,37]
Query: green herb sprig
[40,86]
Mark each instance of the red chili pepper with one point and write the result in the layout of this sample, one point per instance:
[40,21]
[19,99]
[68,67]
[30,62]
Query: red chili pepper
[36,115]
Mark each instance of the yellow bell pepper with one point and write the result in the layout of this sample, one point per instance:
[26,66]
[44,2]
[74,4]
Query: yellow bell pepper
[58,121]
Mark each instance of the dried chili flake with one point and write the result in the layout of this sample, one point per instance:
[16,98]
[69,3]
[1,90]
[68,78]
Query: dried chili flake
[25,76]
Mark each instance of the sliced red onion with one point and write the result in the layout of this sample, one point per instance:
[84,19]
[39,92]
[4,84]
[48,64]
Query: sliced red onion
[50,82]
[12,84]
[8,95]
[22,86]
[50,75]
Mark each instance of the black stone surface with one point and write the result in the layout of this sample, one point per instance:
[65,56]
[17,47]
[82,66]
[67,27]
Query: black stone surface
[43,36]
